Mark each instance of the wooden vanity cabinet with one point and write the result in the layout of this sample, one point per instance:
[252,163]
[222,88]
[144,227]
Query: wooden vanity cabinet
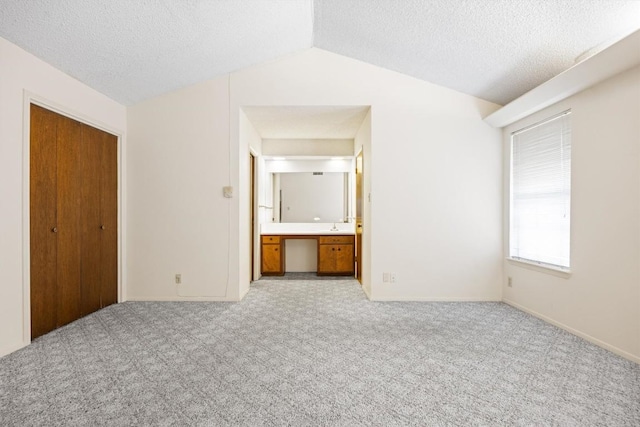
[336,255]
[272,256]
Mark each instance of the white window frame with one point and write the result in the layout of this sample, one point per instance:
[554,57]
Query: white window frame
[545,266]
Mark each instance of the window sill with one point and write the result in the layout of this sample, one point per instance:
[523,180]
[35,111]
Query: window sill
[542,268]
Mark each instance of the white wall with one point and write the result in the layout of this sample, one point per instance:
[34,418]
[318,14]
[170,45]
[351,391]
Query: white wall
[362,143]
[23,75]
[179,221]
[307,147]
[435,169]
[249,133]
[435,180]
[301,255]
[601,299]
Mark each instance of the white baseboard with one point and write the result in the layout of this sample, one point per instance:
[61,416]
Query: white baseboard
[434,299]
[11,348]
[576,332]
[180,299]
[367,292]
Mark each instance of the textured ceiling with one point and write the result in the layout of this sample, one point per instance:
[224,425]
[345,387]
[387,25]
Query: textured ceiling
[306,122]
[133,50]
[495,50]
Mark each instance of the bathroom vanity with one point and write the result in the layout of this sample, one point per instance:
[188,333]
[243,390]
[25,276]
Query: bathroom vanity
[305,216]
[336,252]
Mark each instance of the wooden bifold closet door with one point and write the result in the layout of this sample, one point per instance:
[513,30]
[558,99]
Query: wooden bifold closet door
[73,205]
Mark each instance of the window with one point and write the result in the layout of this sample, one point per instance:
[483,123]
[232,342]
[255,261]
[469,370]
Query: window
[541,192]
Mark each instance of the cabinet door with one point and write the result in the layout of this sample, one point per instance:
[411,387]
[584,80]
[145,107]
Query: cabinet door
[336,259]
[272,259]
[43,227]
[344,259]
[326,259]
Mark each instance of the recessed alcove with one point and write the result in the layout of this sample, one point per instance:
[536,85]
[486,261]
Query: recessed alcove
[304,173]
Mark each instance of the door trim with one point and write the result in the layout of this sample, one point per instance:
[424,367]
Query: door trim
[255,232]
[252,214]
[32,98]
[359,220]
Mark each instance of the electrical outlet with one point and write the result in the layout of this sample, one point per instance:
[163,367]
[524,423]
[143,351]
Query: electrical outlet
[510,282]
[388,277]
[178,278]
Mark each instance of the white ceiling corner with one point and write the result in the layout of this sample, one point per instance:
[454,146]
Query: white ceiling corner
[133,50]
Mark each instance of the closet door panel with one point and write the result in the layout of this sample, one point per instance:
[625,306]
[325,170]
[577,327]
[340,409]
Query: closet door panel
[109,212]
[90,258]
[73,220]
[69,132]
[43,239]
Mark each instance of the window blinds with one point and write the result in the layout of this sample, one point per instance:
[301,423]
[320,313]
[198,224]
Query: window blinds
[541,192]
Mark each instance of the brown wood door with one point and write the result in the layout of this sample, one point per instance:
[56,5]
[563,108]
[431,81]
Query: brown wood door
[109,219]
[91,256]
[359,214]
[68,220]
[73,220]
[43,231]
[252,208]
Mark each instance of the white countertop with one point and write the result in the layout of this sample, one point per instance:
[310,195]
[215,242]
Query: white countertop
[307,228]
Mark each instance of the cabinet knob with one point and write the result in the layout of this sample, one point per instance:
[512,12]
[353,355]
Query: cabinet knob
[333,249]
[276,249]
[102,227]
[54,230]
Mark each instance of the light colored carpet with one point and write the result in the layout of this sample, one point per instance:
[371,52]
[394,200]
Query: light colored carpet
[315,353]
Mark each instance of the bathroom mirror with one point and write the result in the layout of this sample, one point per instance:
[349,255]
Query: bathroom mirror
[308,197]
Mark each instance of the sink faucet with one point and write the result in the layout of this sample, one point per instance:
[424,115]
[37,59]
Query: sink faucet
[334,227]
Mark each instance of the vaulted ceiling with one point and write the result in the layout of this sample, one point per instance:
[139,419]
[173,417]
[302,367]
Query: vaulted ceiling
[132,50]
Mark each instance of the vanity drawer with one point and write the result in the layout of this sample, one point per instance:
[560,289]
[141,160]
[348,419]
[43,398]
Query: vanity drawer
[270,239]
[327,240]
